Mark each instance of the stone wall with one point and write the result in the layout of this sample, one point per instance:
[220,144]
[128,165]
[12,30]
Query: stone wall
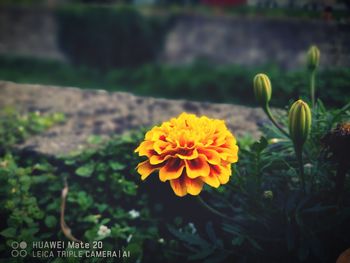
[98,112]
[29,32]
[219,39]
[251,41]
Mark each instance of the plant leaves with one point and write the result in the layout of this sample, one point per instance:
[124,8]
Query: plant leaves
[85,170]
[8,232]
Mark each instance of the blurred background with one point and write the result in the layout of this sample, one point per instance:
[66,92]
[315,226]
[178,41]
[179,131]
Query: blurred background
[205,50]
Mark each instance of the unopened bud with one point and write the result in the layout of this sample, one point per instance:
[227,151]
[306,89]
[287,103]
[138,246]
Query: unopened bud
[262,89]
[313,57]
[299,122]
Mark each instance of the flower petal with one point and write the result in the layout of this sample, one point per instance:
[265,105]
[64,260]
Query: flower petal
[145,148]
[179,187]
[221,172]
[187,154]
[171,170]
[211,156]
[197,167]
[145,169]
[193,186]
[160,146]
[158,159]
[211,179]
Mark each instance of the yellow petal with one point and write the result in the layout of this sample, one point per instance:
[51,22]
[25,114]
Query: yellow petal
[197,167]
[233,158]
[211,156]
[172,169]
[145,169]
[160,146]
[211,180]
[221,172]
[179,187]
[187,154]
[193,186]
[158,159]
[144,148]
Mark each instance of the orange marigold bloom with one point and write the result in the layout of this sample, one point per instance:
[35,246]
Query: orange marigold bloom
[189,151]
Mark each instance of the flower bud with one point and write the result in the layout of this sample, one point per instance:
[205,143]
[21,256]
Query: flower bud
[262,89]
[299,122]
[313,57]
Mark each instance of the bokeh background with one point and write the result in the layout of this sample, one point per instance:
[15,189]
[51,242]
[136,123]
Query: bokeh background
[206,50]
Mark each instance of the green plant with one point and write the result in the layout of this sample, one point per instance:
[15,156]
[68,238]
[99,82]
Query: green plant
[199,81]
[279,208]
[121,210]
[16,127]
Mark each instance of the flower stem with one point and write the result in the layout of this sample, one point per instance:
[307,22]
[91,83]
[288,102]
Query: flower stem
[299,155]
[272,119]
[212,209]
[312,86]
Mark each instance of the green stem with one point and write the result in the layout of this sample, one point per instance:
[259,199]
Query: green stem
[212,209]
[299,155]
[272,119]
[312,86]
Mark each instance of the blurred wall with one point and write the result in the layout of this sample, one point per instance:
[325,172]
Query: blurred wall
[239,40]
[29,32]
[256,40]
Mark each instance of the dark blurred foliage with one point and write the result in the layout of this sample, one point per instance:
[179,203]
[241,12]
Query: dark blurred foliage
[108,37]
[199,81]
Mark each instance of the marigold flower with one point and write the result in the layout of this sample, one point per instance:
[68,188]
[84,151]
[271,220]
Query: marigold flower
[189,151]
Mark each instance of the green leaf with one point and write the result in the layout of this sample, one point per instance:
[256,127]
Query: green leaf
[94,139]
[8,232]
[85,170]
[136,252]
[210,231]
[193,239]
[202,254]
[260,145]
[50,221]
[116,166]
[237,241]
[254,243]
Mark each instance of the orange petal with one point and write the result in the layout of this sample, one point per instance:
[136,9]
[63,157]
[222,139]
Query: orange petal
[233,158]
[145,169]
[158,159]
[178,186]
[221,172]
[160,146]
[193,186]
[187,154]
[154,134]
[144,148]
[171,170]
[197,167]
[227,154]
[211,180]
[211,156]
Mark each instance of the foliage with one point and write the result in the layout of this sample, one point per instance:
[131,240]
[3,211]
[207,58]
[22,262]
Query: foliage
[33,216]
[230,83]
[108,37]
[16,127]
[270,217]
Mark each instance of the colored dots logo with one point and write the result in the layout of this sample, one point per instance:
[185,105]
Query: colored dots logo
[18,249]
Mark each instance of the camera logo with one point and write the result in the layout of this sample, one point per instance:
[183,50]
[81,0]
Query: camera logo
[18,249]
